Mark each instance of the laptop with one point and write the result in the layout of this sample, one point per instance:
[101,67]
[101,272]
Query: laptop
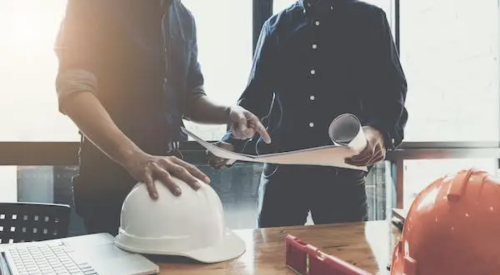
[94,254]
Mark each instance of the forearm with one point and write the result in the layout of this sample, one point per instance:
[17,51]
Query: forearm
[385,110]
[78,48]
[95,123]
[202,109]
[385,103]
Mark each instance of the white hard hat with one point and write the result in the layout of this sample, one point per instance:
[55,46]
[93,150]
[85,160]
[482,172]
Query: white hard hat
[190,225]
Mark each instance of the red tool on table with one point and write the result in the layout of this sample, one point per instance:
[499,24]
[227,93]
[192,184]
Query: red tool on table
[305,259]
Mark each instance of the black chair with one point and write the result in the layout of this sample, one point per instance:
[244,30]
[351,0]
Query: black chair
[28,222]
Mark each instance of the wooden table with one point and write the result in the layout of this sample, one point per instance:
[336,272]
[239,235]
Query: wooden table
[367,245]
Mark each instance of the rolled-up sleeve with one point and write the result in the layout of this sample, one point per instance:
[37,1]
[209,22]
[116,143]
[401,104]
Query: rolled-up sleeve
[75,49]
[384,105]
[195,79]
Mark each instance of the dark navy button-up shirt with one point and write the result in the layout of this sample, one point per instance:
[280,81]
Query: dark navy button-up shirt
[140,60]
[319,59]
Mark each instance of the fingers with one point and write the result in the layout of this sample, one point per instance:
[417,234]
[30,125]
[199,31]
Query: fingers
[150,185]
[183,174]
[259,128]
[242,123]
[377,157]
[241,127]
[361,158]
[167,168]
[367,157]
[191,170]
[216,162]
[166,179]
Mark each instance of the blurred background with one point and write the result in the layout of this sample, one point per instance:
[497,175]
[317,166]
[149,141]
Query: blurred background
[449,50]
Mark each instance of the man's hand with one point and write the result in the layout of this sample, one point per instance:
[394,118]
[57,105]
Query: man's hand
[94,121]
[244,124]
[146,168]
[215,161]
[374,151]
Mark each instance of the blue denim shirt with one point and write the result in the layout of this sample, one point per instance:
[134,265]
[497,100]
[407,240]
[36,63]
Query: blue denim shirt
[319,59]
[138,57]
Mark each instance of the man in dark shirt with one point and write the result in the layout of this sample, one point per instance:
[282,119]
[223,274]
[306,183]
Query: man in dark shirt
[315,60]
[128,75]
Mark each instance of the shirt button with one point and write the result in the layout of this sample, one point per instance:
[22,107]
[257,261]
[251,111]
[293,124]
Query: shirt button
[165,80]
[311,97]
[313,71]
[165,50]
[314,46]
[311,124]
[316,23]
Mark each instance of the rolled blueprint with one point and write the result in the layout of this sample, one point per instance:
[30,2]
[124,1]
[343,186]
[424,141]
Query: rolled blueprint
[346,130]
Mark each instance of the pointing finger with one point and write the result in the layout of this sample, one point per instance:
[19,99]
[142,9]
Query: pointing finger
[259,128]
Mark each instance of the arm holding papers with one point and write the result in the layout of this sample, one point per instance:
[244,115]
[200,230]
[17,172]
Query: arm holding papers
[384,113]
[384,105]
[348,140]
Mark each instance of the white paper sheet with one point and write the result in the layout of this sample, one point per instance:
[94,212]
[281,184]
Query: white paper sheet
[347,137]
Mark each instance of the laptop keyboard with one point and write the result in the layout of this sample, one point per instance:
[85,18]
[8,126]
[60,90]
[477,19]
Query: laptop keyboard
[54,258]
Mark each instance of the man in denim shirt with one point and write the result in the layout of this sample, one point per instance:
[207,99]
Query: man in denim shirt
[315,60]
[128,75]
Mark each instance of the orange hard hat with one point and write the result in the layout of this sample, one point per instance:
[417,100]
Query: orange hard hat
[452,228]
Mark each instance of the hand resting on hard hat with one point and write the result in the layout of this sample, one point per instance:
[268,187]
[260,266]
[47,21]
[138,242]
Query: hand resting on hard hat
[146,168]
[374,151]
[191,225]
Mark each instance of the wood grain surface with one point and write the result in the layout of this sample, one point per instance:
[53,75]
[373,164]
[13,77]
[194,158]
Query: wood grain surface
[366,245]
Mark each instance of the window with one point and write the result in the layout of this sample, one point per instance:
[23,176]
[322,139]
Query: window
[449,50]
[279,5]
[225,53]
[419,174]
[28,67]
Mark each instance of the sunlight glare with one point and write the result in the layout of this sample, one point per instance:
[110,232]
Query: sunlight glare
[26,29]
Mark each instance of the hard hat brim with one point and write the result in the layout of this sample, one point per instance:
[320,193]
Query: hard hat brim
[230,247]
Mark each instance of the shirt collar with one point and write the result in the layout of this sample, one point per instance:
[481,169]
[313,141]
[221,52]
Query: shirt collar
[310,5]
